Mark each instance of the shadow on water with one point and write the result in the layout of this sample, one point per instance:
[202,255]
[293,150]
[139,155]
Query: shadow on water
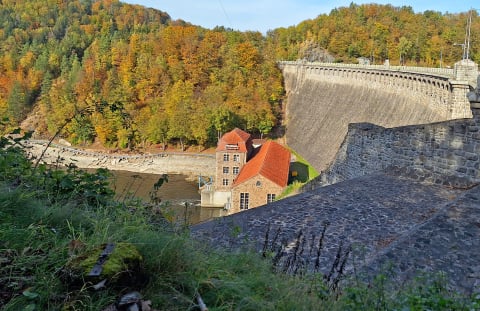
[179,189]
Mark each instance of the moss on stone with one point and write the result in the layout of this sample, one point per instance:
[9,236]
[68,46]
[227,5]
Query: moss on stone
[122,258]
[122,265]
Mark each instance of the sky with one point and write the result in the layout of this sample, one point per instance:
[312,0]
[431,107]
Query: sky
[264,15]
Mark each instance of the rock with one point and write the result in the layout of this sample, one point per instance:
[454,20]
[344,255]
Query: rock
[131,302]
[121,267]
[64,142]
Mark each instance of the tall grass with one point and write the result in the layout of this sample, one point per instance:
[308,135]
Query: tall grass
[40,228]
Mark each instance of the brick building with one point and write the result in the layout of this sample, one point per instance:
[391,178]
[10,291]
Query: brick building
[233,151]
[247,175]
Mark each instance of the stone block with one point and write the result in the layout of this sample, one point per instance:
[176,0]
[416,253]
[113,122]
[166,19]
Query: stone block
[456,143]
[471,164]
[444,166]
[469,147]
[471,156]
[462,170]
[444,145]
[476,136]
[460,129]
[471,172]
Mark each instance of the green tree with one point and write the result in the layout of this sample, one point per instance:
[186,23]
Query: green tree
[157,128]
[82,130]
[17,102]
[404,50]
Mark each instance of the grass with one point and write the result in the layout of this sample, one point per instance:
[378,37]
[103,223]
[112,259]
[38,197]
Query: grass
[35,253]
[44,228]
[303,171]
[306,172]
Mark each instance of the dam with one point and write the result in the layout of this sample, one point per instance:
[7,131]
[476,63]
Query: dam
[399,186]
[323,98]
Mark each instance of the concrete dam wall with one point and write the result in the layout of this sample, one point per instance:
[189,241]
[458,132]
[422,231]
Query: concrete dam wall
[321,105]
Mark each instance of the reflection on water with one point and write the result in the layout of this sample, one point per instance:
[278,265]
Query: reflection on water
[173,194]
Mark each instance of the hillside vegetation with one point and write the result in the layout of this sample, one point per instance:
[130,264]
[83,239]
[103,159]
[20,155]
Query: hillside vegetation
[125,76]
[380,32]
[56,221]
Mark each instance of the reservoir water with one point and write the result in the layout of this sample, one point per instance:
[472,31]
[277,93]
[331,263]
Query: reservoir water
[179,189]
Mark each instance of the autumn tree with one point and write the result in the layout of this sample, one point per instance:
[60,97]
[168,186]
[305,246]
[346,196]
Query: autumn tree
[179,108]
[125,75]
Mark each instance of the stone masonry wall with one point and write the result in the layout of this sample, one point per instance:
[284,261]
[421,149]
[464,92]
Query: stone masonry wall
[257,188]
[442,153]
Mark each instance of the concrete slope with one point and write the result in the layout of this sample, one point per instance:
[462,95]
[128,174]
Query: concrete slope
[384,218]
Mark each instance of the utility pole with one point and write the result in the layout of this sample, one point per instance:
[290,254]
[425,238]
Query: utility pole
[441,57]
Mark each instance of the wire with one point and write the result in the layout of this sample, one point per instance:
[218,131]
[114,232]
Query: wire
[225,12]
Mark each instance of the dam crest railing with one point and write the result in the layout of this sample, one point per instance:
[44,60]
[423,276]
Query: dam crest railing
[444,90]
[443,72]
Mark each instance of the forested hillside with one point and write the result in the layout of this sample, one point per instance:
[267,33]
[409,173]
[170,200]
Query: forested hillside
[124,75]
[380,32]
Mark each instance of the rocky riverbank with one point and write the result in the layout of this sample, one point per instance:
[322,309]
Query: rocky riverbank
[192,164]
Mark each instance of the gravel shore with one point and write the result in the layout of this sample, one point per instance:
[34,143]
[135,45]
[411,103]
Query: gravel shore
[159,163]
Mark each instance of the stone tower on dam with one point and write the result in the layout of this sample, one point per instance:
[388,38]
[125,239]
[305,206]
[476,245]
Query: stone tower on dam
[324,98]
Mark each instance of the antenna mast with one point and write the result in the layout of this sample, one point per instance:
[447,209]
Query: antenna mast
[466,45]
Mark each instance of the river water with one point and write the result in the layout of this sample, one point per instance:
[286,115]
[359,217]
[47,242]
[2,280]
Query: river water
[173,195]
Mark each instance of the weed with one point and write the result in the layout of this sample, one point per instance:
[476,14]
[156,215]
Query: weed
[295,261]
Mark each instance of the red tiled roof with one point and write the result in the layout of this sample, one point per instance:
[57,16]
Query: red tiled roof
[235,137]
[272,162]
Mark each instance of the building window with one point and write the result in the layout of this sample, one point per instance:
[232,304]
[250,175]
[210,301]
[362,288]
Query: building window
[225,182]
[232,146]
[226,157]
[236,158]
[236,170]
[244,198]
[258,183]
[270,197]
[225,169]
